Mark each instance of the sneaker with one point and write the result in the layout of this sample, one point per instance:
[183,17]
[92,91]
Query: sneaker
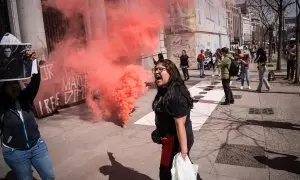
[242,87]
[249,87]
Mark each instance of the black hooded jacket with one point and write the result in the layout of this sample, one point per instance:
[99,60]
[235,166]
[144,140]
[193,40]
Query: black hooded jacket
[16,133]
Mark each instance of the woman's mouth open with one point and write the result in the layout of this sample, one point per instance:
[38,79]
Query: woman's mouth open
[158,80]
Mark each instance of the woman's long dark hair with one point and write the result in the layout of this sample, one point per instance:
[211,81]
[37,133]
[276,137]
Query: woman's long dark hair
[175,85]
[218,53]
[5,100]
[261,54]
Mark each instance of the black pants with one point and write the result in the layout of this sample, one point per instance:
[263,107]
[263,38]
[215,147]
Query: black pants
[290,69]
[227,90]
[213,65]
[185,72]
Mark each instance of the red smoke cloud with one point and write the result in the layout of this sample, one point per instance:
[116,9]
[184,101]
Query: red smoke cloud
[110,59]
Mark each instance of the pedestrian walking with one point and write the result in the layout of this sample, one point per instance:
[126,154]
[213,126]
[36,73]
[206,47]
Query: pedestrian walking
[262,69]
[22,144]
[200,60]
[184,64]
[224,64]
[172,106]
[218,56]
[245,61]
[291,62]
[237,57]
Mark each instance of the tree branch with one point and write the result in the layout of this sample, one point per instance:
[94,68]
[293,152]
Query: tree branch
[266,14]
[278,2]
[287,5]
[272,6]
[264,18]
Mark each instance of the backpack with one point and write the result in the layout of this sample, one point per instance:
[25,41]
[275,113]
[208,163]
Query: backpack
[200,58]
[234,68]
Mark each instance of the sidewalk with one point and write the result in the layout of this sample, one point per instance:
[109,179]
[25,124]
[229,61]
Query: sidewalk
[238,142]
[233,144]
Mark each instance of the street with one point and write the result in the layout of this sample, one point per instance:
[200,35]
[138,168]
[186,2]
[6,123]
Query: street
[231,142]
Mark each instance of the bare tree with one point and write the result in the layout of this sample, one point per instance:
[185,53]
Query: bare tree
[279,6]
[297,42]
[268,18]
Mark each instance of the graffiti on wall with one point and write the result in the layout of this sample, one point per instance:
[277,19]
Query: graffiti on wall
[58,91]
[178,42]
[73,88]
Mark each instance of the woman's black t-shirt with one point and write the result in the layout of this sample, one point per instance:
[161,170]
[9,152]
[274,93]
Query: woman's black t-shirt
[165,116]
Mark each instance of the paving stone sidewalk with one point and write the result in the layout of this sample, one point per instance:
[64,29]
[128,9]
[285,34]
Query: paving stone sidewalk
[235,143]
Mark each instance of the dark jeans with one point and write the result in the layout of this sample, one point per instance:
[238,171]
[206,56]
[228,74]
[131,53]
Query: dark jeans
[227,90]
[201,65]
[20,161]
[290,69]
[245,75]
[185,72]
[213,65]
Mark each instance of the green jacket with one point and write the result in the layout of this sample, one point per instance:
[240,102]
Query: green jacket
[224,65]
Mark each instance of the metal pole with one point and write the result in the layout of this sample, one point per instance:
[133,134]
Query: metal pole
[297,44]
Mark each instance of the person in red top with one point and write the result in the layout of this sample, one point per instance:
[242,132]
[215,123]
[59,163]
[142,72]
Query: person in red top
[200,60]
[245,60]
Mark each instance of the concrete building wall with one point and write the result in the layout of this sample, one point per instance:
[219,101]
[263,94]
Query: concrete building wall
[247,30]
[210,31]
[26,23]
[178,42]
[13,18]
[211,16]
[32,30]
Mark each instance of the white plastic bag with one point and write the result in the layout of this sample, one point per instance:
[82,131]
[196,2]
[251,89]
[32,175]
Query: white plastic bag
[183,169]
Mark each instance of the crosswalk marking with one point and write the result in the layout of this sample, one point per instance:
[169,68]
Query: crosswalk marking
[202,109]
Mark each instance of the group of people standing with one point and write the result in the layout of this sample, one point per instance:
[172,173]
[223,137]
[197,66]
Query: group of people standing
[24,147]
[184,62]
[222,65]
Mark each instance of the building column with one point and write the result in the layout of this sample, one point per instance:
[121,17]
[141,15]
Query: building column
[13,18]
[95,21]
[32,25]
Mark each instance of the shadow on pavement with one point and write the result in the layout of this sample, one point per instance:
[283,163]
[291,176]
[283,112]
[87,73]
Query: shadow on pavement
[235,124]
[117,171]
[268,92]
[273,124]
[11,176]
[286,163]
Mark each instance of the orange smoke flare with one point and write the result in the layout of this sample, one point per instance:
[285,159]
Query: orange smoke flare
[132,29]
